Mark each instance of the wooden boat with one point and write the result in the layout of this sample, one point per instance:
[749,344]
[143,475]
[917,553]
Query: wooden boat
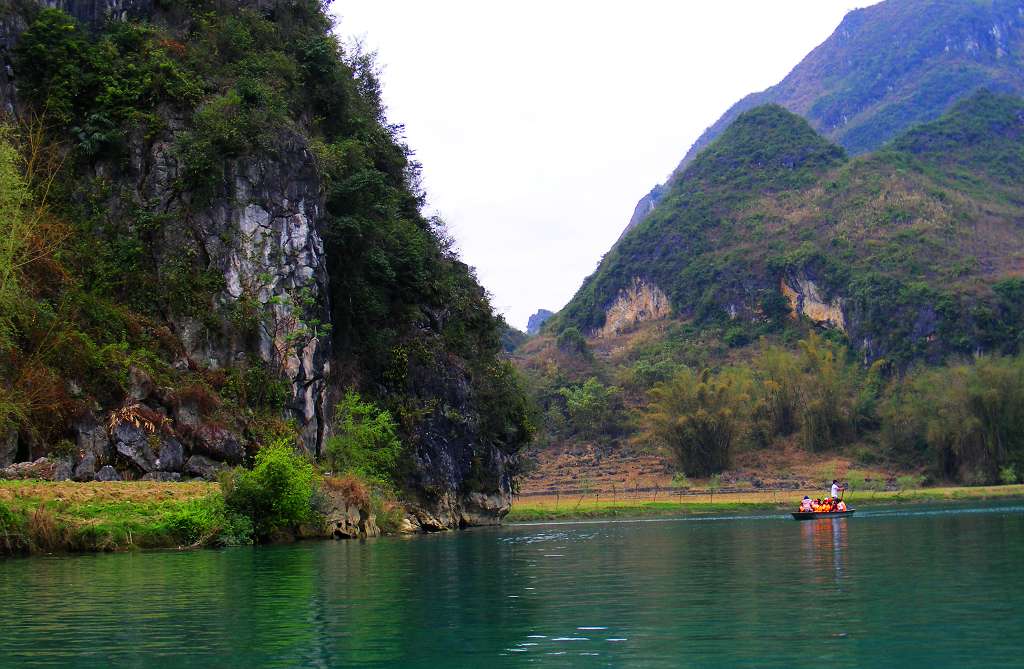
[812,515]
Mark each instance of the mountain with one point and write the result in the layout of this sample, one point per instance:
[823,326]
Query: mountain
[227,241]
[537,320]
[888,67]
[913,251]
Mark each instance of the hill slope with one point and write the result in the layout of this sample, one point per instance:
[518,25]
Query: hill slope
[911,251]
[888,67]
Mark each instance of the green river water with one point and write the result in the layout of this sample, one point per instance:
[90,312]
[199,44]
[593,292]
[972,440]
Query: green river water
[911,587]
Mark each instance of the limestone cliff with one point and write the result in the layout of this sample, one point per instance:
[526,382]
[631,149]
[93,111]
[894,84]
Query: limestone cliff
[642,301]
[253,218]
[805,299]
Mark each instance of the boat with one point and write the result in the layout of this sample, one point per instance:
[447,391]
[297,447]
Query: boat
[811,515]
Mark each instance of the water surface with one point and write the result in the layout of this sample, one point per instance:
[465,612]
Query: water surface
[921,587]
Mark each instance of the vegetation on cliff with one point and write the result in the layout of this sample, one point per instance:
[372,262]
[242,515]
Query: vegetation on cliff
[108,285]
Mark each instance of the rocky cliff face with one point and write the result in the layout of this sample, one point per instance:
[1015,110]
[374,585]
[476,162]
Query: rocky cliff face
[642,301]
[537,320]
[258,235]
[805,299]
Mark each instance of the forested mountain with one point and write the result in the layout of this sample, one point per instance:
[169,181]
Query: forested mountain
[782,287]
[888,67]
[215,236]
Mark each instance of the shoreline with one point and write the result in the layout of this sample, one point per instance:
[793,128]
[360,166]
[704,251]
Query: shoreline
[587,508]
[40,517]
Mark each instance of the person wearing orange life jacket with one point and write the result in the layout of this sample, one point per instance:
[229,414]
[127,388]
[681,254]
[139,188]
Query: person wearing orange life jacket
[806,504]
[841,507]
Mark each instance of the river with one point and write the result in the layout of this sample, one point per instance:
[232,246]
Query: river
[917,587]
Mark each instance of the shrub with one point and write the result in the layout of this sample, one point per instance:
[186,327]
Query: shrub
[680,481]
[591,407]
[365,441]
[697,419]
[207,520]
[388,512]
[12,530]
[276,494]
[571,341]
[909,481]
[1008,475]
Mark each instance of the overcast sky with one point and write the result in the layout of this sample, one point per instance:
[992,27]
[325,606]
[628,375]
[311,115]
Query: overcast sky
[540,124]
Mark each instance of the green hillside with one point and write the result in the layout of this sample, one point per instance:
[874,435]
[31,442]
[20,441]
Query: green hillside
[886,68]
[919,241]
[868,307]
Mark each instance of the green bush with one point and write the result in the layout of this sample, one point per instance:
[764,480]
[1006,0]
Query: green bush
[276,494]
[1008,475]
[389,514]
[207,520]
[591,407]
[909,481]
[571,340]
[365,441]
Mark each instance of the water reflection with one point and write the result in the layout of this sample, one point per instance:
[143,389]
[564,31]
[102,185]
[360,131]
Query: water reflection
[825,543]
[925,589]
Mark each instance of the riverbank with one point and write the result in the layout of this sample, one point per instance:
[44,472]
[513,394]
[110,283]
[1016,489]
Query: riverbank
[540,508]
[44,517]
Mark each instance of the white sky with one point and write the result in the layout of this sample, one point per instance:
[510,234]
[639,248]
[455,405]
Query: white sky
[540,124]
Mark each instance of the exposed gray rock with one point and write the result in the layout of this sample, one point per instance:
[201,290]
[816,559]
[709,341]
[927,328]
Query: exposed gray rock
[8,447]
[204,467]
[163,477]
[62,469]
[186,413]
[86,468]
[172,455]
[107,473]
[220,444]
[132,443]
[345,520]
[43,469]
[140,384]
[92,437]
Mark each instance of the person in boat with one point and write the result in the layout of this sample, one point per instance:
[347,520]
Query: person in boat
[806,504]
[834,491]
[841,506]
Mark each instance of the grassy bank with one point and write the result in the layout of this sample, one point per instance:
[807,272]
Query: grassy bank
[41,517]
[529,509]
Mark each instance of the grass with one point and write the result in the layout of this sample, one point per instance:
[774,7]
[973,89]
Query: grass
[42,517]
[569,508]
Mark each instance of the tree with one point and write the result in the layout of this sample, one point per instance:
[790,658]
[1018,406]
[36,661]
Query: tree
[591,407]
[826,416]
[365,441]
[697,419]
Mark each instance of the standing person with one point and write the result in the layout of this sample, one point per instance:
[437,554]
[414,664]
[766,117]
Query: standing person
[834,492]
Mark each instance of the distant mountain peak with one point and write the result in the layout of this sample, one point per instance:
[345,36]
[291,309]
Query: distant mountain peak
[762,145]
[888,67]
[537,320]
